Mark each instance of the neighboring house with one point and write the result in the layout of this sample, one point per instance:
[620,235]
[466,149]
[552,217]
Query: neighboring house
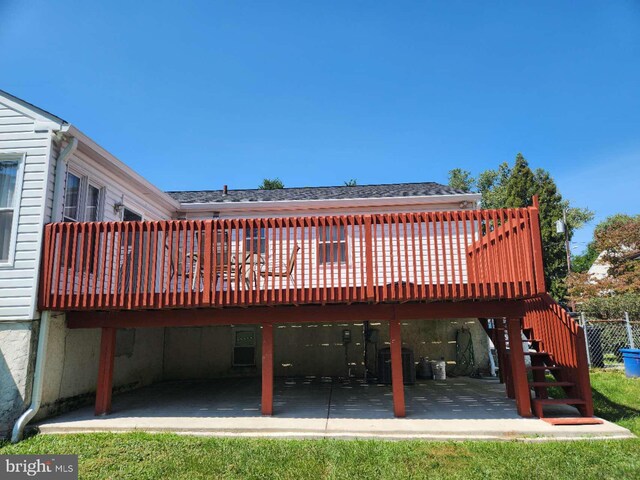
[108,282]
[600,267]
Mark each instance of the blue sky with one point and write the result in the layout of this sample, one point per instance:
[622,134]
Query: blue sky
[194,95]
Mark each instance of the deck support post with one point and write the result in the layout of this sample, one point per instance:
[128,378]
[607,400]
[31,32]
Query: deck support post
[105,371]
[501,347]
[267,368]
[518,368]
[397,382]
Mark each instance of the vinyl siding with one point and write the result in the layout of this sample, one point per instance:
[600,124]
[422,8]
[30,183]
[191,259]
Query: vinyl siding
[116,190]
[17,281]
[441,262]
[307,212]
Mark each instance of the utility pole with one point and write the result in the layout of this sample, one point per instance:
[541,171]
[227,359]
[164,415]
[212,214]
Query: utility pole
[562,227]
[567,243]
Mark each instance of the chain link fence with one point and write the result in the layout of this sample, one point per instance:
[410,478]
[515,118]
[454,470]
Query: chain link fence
[605,338]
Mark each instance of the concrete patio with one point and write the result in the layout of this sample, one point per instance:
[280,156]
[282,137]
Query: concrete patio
[311,407]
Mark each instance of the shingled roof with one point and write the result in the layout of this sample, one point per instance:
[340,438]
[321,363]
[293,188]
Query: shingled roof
[316,193]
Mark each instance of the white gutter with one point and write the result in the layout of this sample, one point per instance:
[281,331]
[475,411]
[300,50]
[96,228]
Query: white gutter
[38,379]
[61,170]
[295,205]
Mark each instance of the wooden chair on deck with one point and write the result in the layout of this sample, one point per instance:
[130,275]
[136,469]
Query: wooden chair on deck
[290,270]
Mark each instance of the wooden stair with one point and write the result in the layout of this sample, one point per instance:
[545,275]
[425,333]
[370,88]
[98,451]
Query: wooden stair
[546,374]
[537,404]
[550,384]
[542,368]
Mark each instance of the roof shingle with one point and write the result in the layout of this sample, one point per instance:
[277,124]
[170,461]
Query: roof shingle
[316,193]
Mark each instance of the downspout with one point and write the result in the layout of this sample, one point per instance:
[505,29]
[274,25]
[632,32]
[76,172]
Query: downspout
[38,379]
[45,317]
[61,169]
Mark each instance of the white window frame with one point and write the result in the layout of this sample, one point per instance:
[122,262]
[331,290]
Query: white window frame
[340,242]
[100,205]
[79,211]
[83,194]
[17,199]
[258,235]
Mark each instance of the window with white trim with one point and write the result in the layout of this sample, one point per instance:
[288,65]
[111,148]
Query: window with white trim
[9,170]
[255,237]
[82,199]
[92,210]
[332,244]
[72,199]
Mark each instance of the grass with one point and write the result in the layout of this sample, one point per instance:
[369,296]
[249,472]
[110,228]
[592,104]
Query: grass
[617,398]
[148,456]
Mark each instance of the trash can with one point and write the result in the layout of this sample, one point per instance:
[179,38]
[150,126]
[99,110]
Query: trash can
[631,358]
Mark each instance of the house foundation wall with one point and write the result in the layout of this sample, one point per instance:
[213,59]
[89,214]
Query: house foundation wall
[148,355]
[313,349]
[17,345]
[72,364]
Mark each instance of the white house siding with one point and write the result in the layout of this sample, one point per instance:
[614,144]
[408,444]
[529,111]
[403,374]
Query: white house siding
[17,280]
[289,210]
[27,133]
[17,136]
[118,189]
[440,255]
[72,356]
[433,258]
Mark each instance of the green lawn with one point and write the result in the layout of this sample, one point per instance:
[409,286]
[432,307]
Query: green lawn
[143,456]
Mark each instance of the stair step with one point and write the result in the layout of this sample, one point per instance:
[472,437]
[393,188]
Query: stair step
[558,401]
[542,368]
[573,421]
[551,384]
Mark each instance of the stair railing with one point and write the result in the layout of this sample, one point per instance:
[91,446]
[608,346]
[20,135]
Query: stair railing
[564,339]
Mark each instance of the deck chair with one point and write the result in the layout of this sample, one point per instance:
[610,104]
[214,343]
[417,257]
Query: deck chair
[290,270]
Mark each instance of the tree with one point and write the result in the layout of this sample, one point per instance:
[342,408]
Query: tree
[617,242]
[461,180]
[271,184]
[351,183]
[582,263]
[514,187]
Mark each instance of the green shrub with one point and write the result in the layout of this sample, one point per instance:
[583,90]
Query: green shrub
[613,306]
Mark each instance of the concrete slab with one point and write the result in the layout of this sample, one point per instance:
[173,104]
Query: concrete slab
[310,407]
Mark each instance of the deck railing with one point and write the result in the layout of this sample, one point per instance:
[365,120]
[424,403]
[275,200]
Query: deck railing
[565,340]
[450,255]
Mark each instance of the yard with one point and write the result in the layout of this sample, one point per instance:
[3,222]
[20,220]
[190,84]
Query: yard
[143,456]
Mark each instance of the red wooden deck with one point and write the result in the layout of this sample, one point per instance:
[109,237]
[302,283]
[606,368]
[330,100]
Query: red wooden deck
[391,267]
[431,256]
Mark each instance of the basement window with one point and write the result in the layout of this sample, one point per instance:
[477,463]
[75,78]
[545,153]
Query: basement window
[244,348]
